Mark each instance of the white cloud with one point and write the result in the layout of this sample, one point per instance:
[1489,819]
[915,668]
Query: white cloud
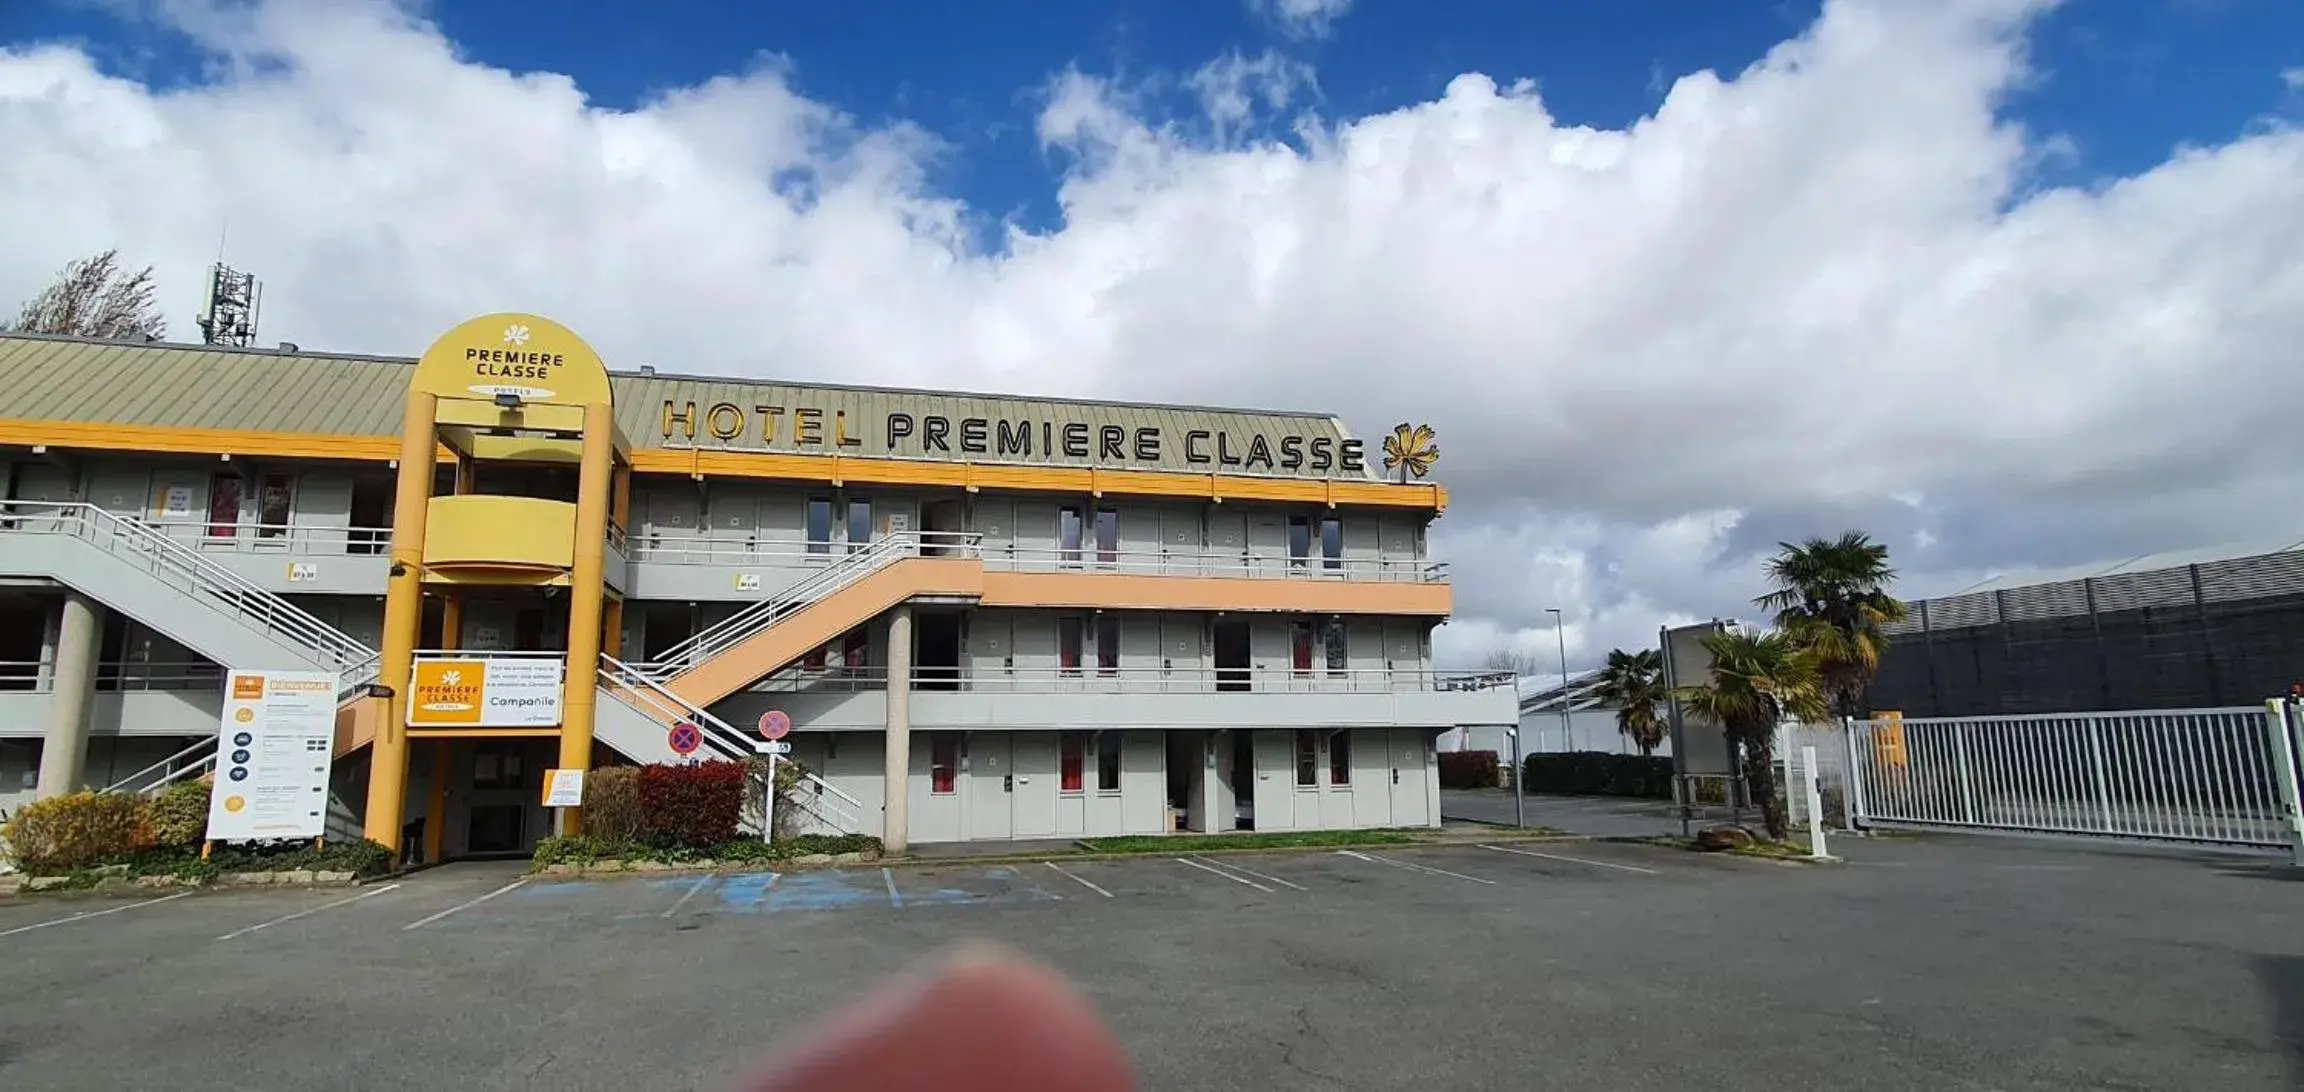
[1816,294]
[2293,78]
[1302,18]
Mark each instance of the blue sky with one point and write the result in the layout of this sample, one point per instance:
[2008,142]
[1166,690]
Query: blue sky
[2125,80]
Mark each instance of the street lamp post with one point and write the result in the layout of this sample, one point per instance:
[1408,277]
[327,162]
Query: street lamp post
[1560,627]
[1519,772]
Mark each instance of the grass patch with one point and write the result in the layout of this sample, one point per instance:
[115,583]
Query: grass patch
[1279,839]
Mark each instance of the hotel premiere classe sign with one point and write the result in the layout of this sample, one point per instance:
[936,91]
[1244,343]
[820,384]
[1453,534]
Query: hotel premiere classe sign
[1315,449]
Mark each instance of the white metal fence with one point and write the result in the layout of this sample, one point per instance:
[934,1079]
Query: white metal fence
[2190,775]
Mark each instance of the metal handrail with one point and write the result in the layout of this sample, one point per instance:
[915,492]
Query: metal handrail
[1180,561]
[291,538]
[216,586]
[1205,561]
[625,683]
[842,571]
[205,742]
[1089,678]
[623,676]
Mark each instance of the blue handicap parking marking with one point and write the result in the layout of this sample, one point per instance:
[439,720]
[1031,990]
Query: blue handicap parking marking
[827,890]
[1007,885]
[742,894]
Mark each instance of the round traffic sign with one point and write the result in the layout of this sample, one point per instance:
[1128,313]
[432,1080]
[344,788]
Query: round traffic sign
[684,738]
[774,724]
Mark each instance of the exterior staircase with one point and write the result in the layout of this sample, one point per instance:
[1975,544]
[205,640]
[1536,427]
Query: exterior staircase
[162,583]
[852,589]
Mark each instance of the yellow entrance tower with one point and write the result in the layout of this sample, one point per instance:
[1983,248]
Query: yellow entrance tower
[516,400]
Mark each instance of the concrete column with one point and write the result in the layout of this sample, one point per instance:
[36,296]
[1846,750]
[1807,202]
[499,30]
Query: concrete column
[64,748]
[898,772]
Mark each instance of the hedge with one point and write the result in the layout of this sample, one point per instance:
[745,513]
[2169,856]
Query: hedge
[179,813]
[691,805]
[1597,773]
[78,830]
[587,849]
[1468,770]
[612,804]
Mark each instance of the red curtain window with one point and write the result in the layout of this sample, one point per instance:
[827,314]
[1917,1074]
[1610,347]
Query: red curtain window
[1074,750]
[943,763]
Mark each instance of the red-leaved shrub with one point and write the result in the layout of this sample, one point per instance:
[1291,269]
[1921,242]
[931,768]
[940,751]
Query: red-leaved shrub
[1468,769]
[696,805]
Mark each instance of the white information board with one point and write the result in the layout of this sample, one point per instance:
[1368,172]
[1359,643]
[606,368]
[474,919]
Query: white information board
[276,743]
[564,788]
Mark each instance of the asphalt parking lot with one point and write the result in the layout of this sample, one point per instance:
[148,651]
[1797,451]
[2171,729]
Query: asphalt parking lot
[1919,964]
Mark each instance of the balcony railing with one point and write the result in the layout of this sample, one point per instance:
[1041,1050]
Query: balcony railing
[1089,679]
[19,676]
[1167,561]
[296,538]
[286,538]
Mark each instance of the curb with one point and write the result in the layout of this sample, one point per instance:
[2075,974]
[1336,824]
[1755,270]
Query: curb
[1058,855]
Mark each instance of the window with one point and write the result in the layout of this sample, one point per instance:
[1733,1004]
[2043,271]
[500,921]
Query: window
[1068,645]
[1107,535]
[272,503]
[224,505]
[855,651]
[943,763]
[1332,542]
[1332,638]
[815,659]
[1300,646]
[1307,757]
[1107,644]
[1340,758]
[1108,763]
[819,525]
[1299,540]
[859,524]
[1072,747]
[1068,532]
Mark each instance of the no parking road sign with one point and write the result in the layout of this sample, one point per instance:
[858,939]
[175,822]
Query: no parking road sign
[774,724]
[685,738]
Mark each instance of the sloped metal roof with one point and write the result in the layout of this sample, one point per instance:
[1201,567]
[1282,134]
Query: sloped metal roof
[45,377]
[2169,559]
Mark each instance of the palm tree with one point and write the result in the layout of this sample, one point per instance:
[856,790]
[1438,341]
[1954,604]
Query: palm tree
[1757,680]
[1831,596]
[1633,682]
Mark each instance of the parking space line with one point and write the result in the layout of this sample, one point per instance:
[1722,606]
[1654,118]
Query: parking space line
[1060,870]
[1226,875]
[1575,860]
[307,912]
[1249,872]
[466,905]
[888,876]
[90,914]
[1413,867]
[699,885]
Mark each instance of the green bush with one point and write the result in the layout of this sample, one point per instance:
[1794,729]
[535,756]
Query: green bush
[1596,773]
[1468,770]
[179,814]
[691,805]
[612,804]
[361,858]
[63,833]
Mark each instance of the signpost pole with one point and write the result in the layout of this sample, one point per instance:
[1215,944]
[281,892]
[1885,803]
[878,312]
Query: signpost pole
[768,803]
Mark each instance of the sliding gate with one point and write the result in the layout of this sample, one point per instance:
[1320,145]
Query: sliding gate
[2189,775]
